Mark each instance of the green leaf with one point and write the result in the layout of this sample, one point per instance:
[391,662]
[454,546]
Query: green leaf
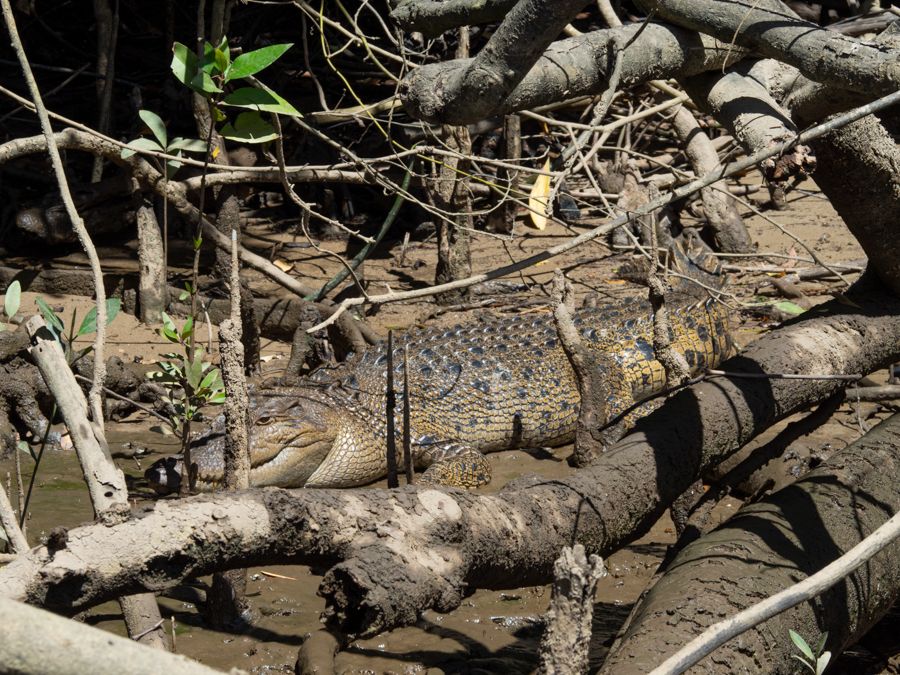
[802,646]
[140,144]
[13,299]
[188,329]
[53,321]
[194,371]
[89,324]
[222,60]
[789,307]
[172,166]
[820,643]
[198,242]
[190,72]
[249,127]
[218,398]
[169,330]
[157,126]
[260,99]
[255,61]
[184,63]
[208,64]
[209,379]
[184,295]
[187,145]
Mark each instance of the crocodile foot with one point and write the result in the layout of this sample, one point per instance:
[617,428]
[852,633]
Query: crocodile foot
[466,468]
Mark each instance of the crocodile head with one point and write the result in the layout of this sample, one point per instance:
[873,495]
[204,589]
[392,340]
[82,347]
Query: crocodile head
[290,435]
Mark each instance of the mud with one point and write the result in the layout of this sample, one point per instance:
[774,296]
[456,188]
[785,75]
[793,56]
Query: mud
[492,631]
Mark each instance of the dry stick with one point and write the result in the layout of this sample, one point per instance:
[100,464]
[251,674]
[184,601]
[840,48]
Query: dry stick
[390,404]
[407,439]
[10,524]
[94,398]
[887,392]
[783,376]
[226,600]
[20,493]
[720,633]
[679,193]
[369,247]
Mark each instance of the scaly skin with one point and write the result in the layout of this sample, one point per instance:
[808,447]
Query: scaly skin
[485,386]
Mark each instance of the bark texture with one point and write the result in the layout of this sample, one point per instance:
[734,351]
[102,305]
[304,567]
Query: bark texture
[152,283]
[770,546]
[719,207]
[859,166]
[771,29]
[567,69]
[401,552]
[567,635]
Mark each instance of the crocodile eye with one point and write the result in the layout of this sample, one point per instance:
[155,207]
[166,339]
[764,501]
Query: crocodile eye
[264,420]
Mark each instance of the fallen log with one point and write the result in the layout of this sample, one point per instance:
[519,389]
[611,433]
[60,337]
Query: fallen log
[769,546]
[394,554]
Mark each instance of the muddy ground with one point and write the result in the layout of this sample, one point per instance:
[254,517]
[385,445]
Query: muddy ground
[492,631]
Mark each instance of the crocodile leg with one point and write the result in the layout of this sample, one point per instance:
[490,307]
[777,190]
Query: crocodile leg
[454,465]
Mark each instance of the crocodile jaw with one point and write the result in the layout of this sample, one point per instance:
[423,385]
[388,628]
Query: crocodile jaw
[357,457]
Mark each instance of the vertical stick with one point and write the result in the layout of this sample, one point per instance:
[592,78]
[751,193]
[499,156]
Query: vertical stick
[512,135]
[390,403]
[10,526]
[407,439]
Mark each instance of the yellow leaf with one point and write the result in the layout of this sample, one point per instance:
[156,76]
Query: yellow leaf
[283,265]
[539,199]
[215,152]
[275,575]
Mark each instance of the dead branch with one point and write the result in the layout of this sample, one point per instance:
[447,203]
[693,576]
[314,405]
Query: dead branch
[433,18]
[105,481]
[769,28]
[569,68]
[654,204]
[10,524]
[718,206]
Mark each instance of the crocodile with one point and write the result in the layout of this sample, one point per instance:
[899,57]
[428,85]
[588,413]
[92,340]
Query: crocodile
[494,384]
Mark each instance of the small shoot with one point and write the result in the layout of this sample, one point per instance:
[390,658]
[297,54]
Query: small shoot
[88,325]
[161,143]
[812,657]
[210,74]
[191,382]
